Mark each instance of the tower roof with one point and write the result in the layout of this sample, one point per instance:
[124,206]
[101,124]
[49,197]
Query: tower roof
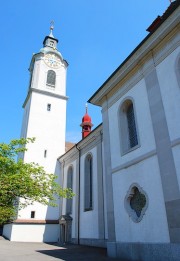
[51,29]
[50,38]
[50,44]
[86,124]
[86,119]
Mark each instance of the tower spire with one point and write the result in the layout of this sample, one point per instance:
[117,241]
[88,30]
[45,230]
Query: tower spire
[51,29]
[86,124]
[50,40]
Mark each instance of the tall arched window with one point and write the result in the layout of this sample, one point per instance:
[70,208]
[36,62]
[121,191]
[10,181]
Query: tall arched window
[88,186]
[69,185]
[131,126]
[128,128]
[51,78]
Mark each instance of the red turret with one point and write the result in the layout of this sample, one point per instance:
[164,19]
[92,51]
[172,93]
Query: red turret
[86,124]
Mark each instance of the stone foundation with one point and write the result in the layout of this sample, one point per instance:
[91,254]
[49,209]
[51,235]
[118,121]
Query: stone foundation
[90,242]
[144,251]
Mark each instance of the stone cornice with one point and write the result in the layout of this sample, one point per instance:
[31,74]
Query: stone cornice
[143,157]
[134,161]
[31,90]
[142,68]
[144,48]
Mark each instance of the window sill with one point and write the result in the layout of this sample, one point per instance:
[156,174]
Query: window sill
[130,150]
[50,86]
[69,213]
[88,209]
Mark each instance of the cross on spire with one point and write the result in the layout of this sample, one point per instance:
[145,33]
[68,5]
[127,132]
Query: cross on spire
[51,29]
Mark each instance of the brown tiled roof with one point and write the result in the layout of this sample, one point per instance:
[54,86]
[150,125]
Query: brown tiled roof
[35,221]
[68,145]
[174,5]
[160,19]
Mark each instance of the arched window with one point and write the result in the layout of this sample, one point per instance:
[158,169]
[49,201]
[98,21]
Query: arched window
[88,186]
[51,78]
[69,185]
[128,128]
[131,126]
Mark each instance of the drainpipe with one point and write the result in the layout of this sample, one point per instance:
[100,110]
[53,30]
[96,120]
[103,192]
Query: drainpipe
[101,133]
[79,190]
[61,199]
[63,163]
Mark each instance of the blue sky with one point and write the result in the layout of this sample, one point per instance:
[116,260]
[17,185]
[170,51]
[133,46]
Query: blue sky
[95,36]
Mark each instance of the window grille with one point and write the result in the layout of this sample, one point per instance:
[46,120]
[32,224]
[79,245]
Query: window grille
[45,153]
[133,141]
[48,107]
[136,202]
[69,185]
[88,193]
[32,214]
[51,78]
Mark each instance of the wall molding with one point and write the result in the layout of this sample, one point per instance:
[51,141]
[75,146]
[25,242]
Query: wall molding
[134,161]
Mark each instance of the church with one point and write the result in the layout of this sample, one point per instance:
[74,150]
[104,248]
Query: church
[125,173]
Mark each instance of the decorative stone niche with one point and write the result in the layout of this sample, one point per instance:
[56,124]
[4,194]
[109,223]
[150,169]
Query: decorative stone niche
[136,202]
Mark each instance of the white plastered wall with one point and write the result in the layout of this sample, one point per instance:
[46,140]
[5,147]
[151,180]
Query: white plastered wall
[89,219]
[153,226]
[50,136]
[170,91]
[176,154]
[40,77]
[32,232]
[104,195]
[169,81]
[145,172]
[138,94]
[73,215]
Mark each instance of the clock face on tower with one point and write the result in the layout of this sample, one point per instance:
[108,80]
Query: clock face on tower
[52,60]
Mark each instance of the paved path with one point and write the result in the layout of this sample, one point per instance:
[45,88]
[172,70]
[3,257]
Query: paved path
[16,251]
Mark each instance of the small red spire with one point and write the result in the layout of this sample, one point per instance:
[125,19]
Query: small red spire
[86,124]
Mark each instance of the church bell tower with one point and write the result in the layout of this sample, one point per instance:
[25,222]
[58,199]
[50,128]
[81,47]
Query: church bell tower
[45,104]
[45,119]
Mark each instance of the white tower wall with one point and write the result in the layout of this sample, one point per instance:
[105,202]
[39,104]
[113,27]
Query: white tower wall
[45,119]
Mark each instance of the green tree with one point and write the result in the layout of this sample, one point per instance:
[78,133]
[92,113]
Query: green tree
[28,181]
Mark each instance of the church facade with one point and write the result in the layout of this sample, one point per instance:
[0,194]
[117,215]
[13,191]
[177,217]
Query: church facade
[126,172]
